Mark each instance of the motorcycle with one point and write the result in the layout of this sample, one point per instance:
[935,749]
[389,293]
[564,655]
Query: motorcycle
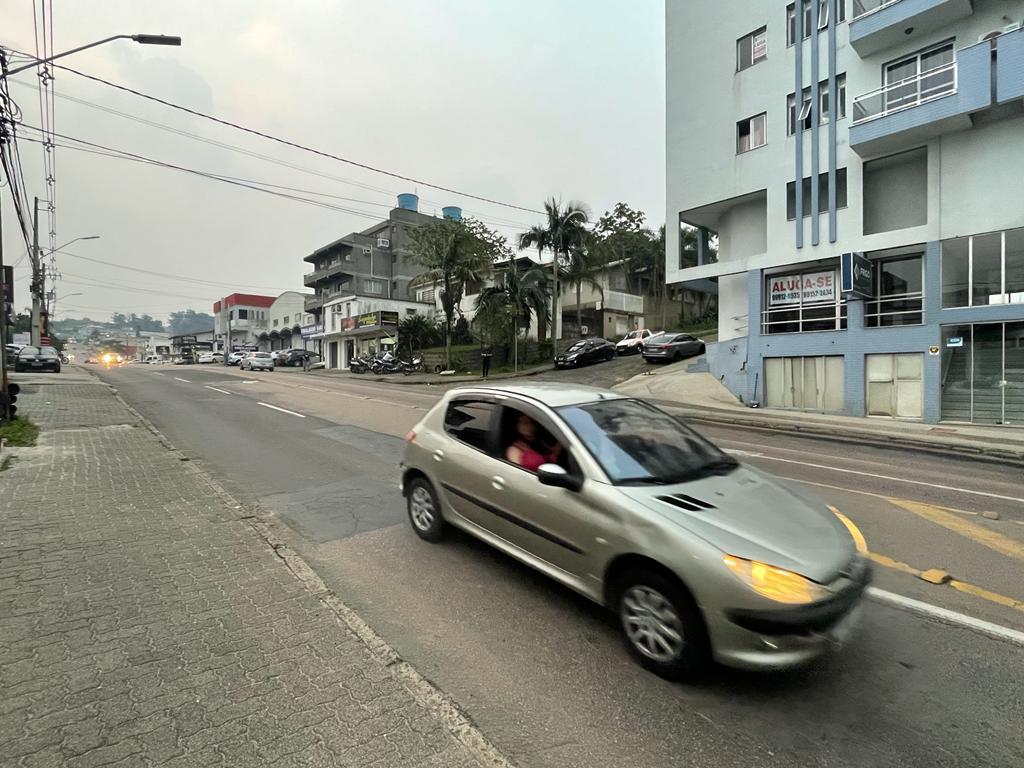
[385,365]
[414,366]
[359,364]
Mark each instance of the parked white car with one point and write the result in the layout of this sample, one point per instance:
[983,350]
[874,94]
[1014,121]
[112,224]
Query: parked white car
[633,341]
[211,357]
[257,361]
[235,358]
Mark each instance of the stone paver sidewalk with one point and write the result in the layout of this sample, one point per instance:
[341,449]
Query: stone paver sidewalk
[145,621]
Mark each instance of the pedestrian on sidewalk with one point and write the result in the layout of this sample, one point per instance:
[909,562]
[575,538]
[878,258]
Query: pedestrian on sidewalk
[485,360]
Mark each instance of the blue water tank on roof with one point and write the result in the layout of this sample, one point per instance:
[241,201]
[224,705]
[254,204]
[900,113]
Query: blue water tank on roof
[452,212]
[409,202]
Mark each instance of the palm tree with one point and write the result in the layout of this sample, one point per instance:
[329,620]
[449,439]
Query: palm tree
[452,254]
[564,230]
[585,266]
[519,294]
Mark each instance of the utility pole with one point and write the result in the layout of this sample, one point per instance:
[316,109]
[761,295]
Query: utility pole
[38,279]
[3,325]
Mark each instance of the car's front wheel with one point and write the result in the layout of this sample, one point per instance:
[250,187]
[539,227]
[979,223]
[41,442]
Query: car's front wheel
[662,625]
[424,510]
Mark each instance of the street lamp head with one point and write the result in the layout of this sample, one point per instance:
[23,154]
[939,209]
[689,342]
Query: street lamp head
[157,39]
[90,237]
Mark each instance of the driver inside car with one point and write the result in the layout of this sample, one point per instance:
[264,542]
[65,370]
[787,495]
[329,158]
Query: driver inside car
[527,449]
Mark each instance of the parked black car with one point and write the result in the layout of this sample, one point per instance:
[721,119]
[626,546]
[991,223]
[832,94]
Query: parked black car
[297,357]
[586,351]
[37,359]
[670,347]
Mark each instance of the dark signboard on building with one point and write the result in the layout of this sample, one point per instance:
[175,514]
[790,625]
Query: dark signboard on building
[388,318]
[367,320]
[858,275]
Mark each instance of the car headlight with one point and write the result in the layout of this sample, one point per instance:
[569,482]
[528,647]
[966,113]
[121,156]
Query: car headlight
[775,583]
[858,537]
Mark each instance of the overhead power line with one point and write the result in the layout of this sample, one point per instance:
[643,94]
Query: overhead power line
[294,144]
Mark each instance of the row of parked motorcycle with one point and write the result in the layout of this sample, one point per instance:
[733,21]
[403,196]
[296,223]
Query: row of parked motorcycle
[384,364]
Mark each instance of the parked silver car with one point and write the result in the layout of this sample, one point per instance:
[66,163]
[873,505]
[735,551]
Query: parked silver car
[257,361]
[699,555]
[670,347]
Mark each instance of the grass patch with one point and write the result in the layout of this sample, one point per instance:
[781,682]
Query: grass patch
[20,432]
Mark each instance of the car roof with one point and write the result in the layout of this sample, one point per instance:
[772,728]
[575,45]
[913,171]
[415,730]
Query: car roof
[551,394]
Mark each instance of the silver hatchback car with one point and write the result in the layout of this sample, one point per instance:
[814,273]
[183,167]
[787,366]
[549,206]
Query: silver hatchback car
[700,556]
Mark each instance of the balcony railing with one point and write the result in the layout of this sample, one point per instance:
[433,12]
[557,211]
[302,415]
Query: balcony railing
[903,94]
[624,302]
[864,7]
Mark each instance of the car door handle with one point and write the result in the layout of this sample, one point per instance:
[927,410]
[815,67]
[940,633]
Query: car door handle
[438,455]
[498,483]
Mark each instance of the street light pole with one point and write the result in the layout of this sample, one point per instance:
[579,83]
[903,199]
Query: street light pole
[38,280]
[141,39]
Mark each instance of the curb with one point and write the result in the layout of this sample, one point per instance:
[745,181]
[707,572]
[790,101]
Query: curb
[980,452]
[424,693]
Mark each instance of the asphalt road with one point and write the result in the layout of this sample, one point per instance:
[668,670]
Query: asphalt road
[543,672]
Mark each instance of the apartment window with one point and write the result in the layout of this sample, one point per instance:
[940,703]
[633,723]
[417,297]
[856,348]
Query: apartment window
[751,49]
[899,292]
[822,194]
[809,17]
[275,322]
[409,311]
[751,133]
[243,314]
[348,309]
[374,287]
[425,295]
[805,114]
[919,77]
[808,300]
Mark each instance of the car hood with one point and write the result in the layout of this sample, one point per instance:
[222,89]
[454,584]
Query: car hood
[756,517]
[628,343]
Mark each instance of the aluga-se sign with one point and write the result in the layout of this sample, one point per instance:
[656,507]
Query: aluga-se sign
[803,288]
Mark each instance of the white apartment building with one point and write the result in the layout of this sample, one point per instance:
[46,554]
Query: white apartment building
[860,163]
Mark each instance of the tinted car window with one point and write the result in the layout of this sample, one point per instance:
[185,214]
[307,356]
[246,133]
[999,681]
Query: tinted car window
[48,352]
[262,355]
[579,346]
[683,337]
[637,443]
[470,421]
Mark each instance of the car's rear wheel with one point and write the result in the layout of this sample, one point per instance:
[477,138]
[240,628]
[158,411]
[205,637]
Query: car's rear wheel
[662,625]
[424,510]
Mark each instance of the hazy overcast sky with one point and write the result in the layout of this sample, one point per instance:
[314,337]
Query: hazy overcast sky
[515,101]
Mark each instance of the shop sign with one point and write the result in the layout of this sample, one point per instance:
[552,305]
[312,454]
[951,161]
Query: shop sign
[803,288]
[388,318]
[348,323]
[955,341]
[367,320]
[308,331]
[858,275]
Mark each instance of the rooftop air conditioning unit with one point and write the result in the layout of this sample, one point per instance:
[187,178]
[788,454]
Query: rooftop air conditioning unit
[383,242]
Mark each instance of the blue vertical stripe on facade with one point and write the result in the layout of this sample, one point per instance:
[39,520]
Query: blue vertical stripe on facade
[798,50]
[833,115]
[815,132]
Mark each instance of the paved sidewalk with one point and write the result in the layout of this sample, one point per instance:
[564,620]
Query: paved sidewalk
[144,620]
[699,396]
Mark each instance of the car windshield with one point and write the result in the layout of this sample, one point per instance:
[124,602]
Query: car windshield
[632,335]
[636,443]
[47,352]
[29,351]
[578,346]
[262,355]
[658,338]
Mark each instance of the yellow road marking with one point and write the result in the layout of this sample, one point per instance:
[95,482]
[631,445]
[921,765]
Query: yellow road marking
[997,542]
[960,586]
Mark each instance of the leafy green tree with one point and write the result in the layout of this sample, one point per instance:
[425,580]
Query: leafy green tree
[586,266]
[564,229]
[518,294]
[417,332]
[454,253]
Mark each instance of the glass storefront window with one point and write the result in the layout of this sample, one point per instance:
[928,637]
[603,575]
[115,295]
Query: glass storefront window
[803,301]
[955,272]
[987,259]
[982,270]
[899,293]
[1015,266]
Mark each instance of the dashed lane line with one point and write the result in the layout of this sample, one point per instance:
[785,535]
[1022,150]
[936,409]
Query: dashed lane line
[986,494]
[216,389]
[928,610]
[178,378]
[282,410]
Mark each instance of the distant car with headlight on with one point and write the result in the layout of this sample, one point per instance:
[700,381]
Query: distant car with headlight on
[700,556]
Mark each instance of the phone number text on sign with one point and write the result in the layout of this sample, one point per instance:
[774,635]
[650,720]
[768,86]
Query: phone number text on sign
[805,288]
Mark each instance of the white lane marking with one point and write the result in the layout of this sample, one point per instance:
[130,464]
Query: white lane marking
[888,477]
[222,391]
[178,378]
[282,410]
[943,614]
[157,373]
[874,495]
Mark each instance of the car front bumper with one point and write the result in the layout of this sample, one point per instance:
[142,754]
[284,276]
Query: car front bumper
[788,636]
[566,363]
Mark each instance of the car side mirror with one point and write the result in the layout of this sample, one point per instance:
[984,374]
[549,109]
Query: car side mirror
[556,476]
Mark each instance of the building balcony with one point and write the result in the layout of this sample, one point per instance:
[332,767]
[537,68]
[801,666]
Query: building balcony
[310,279]
[1010,66]
[880,24]
[313,303]
[937,101]
[623,302]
